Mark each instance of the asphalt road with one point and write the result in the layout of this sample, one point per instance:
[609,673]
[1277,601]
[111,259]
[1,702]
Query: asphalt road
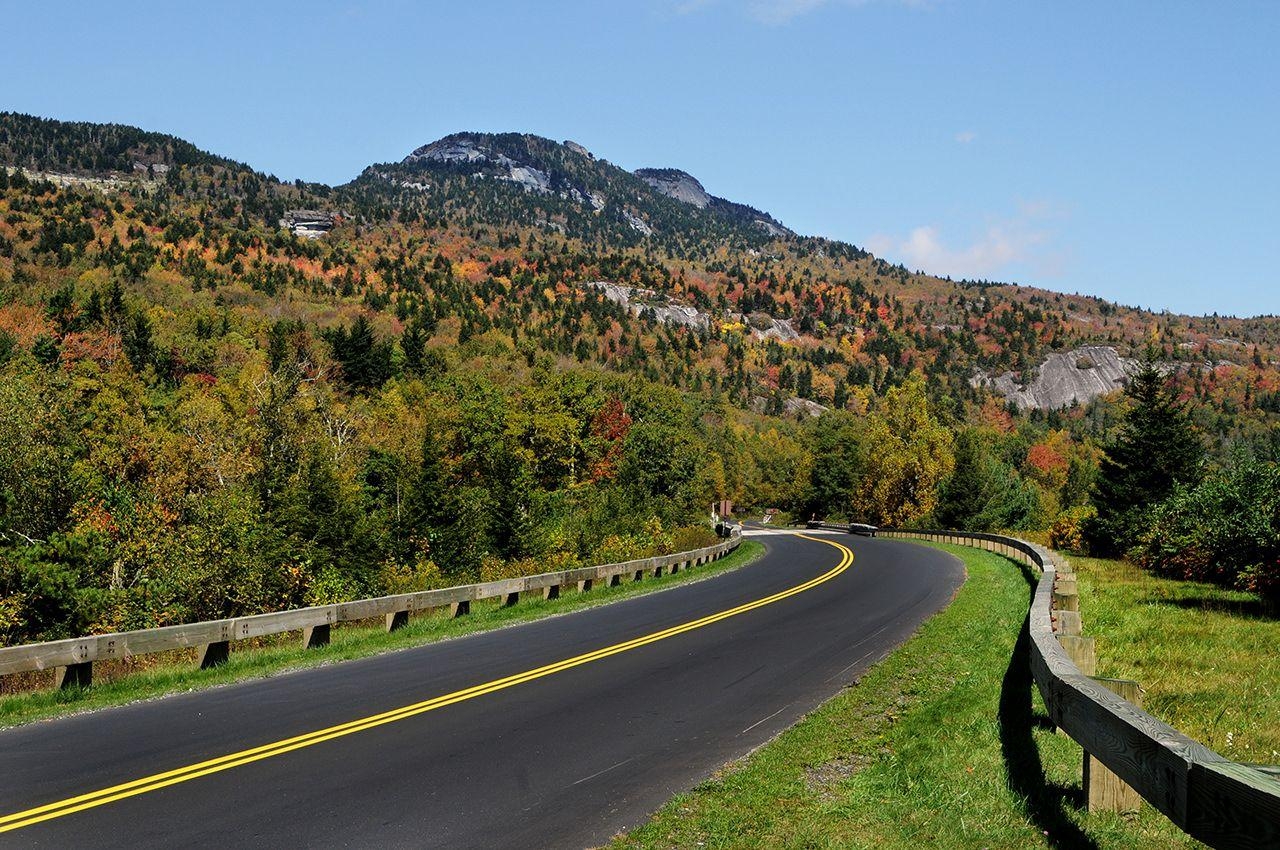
[564,759]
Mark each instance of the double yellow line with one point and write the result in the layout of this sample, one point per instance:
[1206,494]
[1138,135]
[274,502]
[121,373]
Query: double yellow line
[102,797]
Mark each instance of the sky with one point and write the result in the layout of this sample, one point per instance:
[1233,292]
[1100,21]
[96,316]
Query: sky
[1120,149]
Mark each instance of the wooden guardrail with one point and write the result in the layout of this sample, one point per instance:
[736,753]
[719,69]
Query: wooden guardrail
[850,528]
[1218,801]
[73,657]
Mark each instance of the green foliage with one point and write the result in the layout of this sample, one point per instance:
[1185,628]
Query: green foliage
[1225,529]
[1156,450]
[837,468]
[908,453]
[983,493]
[1067,531]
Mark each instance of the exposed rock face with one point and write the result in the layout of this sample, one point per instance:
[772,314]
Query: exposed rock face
[790,406]
[309,224]
[455,150]
[764,326]
[639,300]
[1065,378]
[677,184]
[638,224]
[577,148]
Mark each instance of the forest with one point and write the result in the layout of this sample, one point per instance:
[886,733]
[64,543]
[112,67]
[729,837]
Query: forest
[204,414]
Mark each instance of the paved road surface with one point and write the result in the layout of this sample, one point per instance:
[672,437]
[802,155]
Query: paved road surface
[563,756]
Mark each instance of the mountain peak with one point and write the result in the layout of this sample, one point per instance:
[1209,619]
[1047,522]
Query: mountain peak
[677,184]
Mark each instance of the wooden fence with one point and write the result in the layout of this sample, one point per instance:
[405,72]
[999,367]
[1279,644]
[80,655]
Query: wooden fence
[1218,801]
[73,658]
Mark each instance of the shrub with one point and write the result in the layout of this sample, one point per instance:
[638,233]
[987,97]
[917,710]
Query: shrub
[1225,530]
[1067,531]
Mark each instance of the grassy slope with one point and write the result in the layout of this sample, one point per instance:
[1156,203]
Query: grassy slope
[943,744]
[1206,657]
[348,642]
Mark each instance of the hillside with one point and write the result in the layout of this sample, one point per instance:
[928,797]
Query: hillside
[467,359]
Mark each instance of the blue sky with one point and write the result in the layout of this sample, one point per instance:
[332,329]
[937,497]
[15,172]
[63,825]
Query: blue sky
[1123,149]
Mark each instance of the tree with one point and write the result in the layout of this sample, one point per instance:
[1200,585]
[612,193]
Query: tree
[983,493]
[366,362]
[1156,449]
[909,453]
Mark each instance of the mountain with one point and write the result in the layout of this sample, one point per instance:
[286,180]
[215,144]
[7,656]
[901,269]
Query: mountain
[82,148]
[519,179]
[533,232]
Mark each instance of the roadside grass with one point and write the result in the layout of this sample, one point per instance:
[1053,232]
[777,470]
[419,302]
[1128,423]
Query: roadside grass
[1207,658]
[283,652]
[944,744]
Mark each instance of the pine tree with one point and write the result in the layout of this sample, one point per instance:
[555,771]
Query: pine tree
[1156,449]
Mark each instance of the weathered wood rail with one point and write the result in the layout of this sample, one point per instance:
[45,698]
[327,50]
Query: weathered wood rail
[73,657]
[1218,801]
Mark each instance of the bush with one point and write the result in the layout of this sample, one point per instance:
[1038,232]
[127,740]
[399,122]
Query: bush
[1067,531]
[1224,530]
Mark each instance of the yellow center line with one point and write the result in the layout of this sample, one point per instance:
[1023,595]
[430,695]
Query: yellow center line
[157,781]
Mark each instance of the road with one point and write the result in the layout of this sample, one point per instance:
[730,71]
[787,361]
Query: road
[554,733]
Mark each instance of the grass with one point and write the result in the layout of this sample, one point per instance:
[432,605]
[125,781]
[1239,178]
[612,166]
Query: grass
[943,744]
[1205,656]
[348,642]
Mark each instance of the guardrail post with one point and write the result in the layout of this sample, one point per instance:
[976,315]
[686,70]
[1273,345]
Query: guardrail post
[1068,622]
[657,571]
[1066,600]
[585,585]
[638,576]
[74,676]
[615,580]
[213,654]
[460,609]
[314,637]
[510,599]
[397,620]
[1082,651]
[1105,791]
[551,591]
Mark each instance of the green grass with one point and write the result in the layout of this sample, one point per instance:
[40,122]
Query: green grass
[348,642]
[943,744]
[1207,658]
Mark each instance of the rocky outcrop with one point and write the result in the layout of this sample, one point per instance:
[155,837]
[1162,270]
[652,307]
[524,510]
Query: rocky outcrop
[454,150]
[1064,379]
[309,224]
[579,149]
[638,300]
[677,184]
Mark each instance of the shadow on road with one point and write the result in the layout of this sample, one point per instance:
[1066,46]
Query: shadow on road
[1043,801]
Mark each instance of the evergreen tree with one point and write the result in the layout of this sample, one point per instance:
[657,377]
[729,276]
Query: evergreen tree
[1156,449]
[983,493]
[413,343]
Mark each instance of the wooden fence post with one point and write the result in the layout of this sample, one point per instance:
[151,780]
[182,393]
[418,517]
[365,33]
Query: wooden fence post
[1082,651]
[1105,791]
[314,637]
[1068,622]
[74,676]
[213,654]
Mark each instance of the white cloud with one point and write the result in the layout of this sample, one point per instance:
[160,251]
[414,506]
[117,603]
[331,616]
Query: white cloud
[1004,247]
[964,137]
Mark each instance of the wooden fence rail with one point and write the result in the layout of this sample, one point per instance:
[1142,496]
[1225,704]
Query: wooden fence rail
[1218,801]
[73,658]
